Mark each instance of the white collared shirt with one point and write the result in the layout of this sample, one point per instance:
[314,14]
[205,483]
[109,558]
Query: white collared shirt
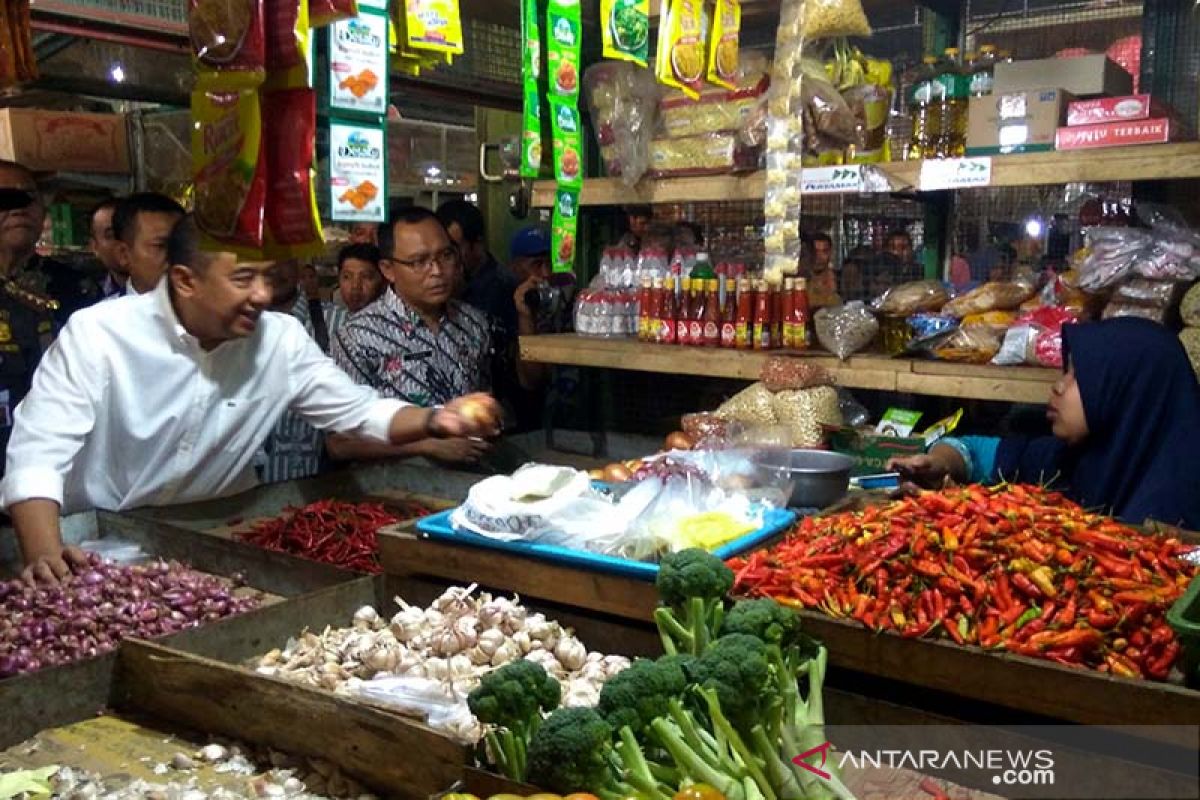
[126,408]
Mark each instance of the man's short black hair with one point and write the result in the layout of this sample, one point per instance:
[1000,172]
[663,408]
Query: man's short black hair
[822,237]
[466,215]
[183,246]
[639,210]
[127,210]
[409,215]
[360,252]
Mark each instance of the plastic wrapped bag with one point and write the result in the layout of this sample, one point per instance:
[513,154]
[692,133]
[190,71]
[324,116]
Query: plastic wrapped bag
[782,373]
[992,296]
[433,701]
[1147,292]
[844,330]
[925,325]
[751,406]
[1036,338]
[806,411]
[831,116]
[977,345]
[623,101]
[1116,309]
[826,19]
[912,298]
[1112,253]
[1189,309]
[704,427]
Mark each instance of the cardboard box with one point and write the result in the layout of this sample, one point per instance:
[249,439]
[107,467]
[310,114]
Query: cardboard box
[1117,134]
[1018,122]
[62,141]
[1114,109]
[871,451]
[1082,76]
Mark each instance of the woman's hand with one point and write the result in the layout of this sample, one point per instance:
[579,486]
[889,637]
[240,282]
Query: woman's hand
[922,472]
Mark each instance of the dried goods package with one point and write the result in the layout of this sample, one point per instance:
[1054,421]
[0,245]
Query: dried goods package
[228,34]
[912,298]
[751,406]
[805,411]
[992,296]
[781,373]
[844,330]
[623,101]
[827,19]
[708,154]
[293,222]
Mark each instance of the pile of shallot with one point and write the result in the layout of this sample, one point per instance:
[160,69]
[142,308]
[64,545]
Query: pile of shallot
[458,639]
[89,612]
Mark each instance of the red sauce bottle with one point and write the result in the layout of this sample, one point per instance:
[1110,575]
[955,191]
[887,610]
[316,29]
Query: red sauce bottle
[800,316]
[645,293]
[712,314]
[764,325]
[789,307]
[682,331]
[744,318]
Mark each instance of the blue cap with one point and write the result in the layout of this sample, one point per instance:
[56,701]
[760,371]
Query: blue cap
[531,241]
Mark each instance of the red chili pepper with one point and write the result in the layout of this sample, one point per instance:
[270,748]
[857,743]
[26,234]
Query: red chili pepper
[1025,585]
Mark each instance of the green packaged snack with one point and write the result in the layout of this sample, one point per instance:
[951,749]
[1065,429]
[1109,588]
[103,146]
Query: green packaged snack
[531,69]
[563,229]
[568,145]
[626,29]
[562,31]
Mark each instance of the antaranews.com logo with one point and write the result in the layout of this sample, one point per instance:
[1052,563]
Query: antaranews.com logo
[1005,767]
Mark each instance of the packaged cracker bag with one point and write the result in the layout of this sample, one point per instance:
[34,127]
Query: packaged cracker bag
[723,44]
[293,223]
[227,34]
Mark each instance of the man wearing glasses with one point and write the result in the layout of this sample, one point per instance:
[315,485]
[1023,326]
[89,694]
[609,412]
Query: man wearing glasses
[416,343]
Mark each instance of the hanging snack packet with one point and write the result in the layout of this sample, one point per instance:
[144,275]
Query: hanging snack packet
[827,19]
[626,29]
[433,25]
[723,44]
[290,127]
[679,61]
[531,72]
[563,229]
[227,34]
[327,12]
[562,29]
[228,168]
[568,146]
[287,34]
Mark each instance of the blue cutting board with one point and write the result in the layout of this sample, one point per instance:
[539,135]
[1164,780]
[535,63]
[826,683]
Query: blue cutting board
[438,526]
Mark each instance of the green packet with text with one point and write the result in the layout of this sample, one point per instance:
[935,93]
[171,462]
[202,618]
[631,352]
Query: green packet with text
[563,229]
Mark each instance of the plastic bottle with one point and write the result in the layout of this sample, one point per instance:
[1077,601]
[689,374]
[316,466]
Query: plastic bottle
[983,72]
[952,138]
[926,111]
[789,307]
[729,313]
[670,313]
[644,310]
[682,335]
[764,325]
[712,315]
[697,308]
[744,319]
[703,268]
[800,316]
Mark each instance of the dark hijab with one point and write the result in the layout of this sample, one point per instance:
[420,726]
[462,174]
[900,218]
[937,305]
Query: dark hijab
[1141,458]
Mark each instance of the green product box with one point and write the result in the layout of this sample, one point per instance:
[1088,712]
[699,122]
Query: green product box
[871,451]
[68,227]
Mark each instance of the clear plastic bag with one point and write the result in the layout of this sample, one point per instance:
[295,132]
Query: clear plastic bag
[806,412]
[751,406]
[623,101]
[433,701]
[831,115]
[1147,292]
[782,373]
[1116,309]
[1112,254]
[844,330]
[977,345]
[912,298]
[992,296]
[826,19]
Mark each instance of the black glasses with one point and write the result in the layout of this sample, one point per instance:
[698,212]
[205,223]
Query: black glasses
[12,199]
[445,259]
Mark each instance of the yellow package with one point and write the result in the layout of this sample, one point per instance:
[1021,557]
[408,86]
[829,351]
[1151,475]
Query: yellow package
[723,44]
[433,25]
[679,61]
[998,319]
[228,167]
[626,29]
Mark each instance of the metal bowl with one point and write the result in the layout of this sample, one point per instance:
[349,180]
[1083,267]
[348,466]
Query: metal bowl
[819,478]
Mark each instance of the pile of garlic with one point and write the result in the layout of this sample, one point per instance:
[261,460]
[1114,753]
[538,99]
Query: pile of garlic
[458,639]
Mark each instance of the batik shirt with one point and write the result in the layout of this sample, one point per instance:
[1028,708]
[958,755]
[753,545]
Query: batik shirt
[389,347]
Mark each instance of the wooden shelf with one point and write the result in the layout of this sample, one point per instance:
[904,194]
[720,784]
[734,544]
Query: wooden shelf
[1148,162]
[868,371]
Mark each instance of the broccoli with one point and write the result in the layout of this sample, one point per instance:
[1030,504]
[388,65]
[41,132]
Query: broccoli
[637,696]
[511,701]
[692,585]
[572,751]
[764,618]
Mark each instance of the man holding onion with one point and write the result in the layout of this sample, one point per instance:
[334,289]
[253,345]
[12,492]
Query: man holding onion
[166,397]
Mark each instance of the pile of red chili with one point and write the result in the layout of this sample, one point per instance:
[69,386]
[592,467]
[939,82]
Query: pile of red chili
[1012,567]
[333,532]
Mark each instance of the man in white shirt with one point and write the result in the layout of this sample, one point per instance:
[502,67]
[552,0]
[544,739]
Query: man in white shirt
[166,397]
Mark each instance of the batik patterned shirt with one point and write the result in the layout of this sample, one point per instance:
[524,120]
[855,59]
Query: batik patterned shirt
[389,347]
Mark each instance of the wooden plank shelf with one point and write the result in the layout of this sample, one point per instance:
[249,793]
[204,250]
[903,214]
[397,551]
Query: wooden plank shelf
[867,371]
[1144,163]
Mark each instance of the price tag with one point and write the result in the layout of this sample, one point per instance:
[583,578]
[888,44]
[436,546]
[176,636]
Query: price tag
[832,180]
[955,173]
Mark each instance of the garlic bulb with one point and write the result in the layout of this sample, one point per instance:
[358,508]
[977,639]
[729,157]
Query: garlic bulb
[365,617]
[493,613]
[456,601]
[547,661]
[408,624]
[490,641]
[615,664]
[382,658]
[581,693]
[522,641]
[434,618]
[477,654]
[594,672]
[460,667]
[456,638]
[538,626]
[436,669]
[571,653]
[509,651]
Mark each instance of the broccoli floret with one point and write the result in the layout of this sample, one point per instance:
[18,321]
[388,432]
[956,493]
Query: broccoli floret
[692,585]
[572,752]
[511,701]
[637,696]
[764,618]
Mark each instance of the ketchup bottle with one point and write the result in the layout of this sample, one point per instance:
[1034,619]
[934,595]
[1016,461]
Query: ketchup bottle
[644,311]
[763,324]
[682,332]
[744,318]
[789,306]
[712,314]
[800,316]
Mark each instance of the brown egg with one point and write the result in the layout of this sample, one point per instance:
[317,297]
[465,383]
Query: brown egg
[679,441]
[617,473]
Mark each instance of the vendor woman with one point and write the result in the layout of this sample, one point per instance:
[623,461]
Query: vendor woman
[1126,423]
[166,397]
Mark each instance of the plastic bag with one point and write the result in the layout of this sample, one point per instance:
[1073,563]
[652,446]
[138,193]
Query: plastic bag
[227,34]
[826,19]
[293,222]
[626,29]
[844,330]
[1152,293]
[805,412]
[912,298]
[327,12]
[1117,309]
[781,373]
[680,56]
[992,296]
[705,429]
[753,406]
[977,345]
[830,114]
[925,325]
[433,701]
[623,101]
[723,43]
[287,36]
[1112,253]
[1189,309]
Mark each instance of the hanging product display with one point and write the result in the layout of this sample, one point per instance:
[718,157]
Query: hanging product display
[563,49]
[531,96]
[626,29]
[287,35]
[723,44]
[785,140]
[679,60]
[293,223]
[227,36]
[357,172]
[358,64]
[17,60]
[327,12]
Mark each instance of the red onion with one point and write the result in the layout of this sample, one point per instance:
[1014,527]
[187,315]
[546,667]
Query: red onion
[88,613]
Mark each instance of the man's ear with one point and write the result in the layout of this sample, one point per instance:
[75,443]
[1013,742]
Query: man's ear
[183,280]
[124,255]
[388,268]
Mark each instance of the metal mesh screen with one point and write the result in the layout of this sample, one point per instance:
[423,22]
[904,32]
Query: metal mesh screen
[491,52]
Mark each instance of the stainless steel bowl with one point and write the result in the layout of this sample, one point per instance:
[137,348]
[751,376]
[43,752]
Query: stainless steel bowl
[819,478]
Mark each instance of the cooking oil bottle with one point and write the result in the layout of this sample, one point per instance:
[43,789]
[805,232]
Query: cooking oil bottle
[925,109]
[955,89]
[983,72]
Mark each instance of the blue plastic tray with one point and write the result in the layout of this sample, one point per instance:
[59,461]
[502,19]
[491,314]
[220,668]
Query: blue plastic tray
[438,526]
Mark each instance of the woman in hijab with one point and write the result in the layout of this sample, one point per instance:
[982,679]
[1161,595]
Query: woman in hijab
[1126,423]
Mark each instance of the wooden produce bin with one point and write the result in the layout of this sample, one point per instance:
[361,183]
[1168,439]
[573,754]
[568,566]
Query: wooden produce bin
[996,684]
[52,696]
[161,689]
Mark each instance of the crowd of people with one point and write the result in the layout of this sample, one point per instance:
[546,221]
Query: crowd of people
[180,373]
[864,274]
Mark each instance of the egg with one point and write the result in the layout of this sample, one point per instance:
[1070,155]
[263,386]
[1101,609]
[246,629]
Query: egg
[679,441]
[617,473]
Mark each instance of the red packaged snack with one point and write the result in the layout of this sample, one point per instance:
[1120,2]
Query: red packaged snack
[289,130]
[287,34]
[228,34]
[327,12]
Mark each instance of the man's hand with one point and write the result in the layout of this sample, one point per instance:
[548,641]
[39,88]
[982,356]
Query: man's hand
[521,296]
[51,568]
[455,451]
[924,471]
[475,415]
